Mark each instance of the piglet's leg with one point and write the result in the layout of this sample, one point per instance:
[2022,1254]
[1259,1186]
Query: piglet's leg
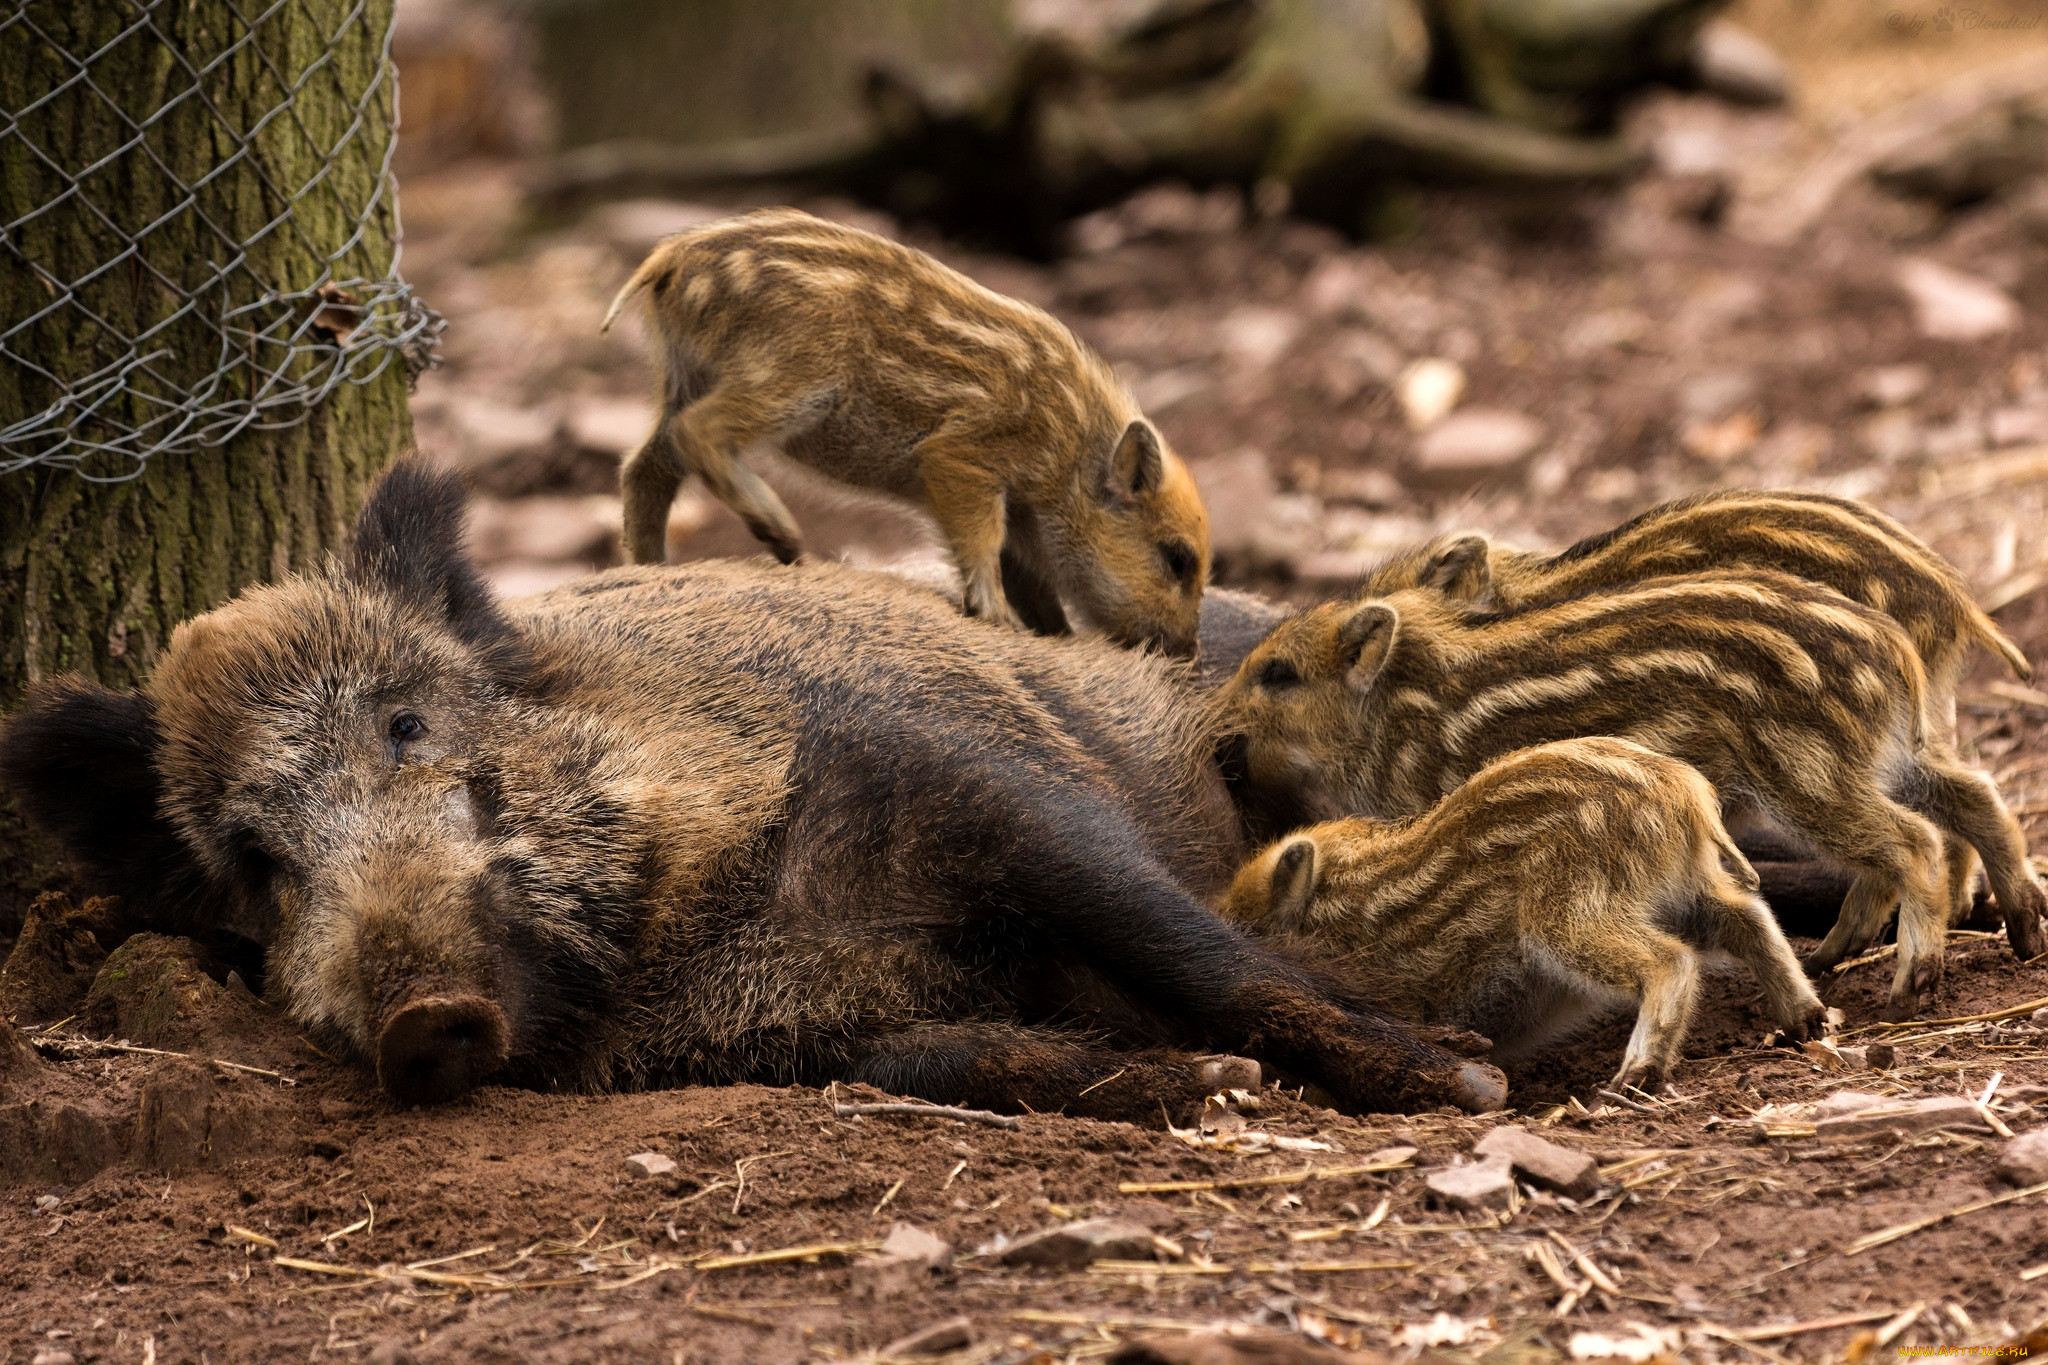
[967,502]
[1016,1070]
[713,432]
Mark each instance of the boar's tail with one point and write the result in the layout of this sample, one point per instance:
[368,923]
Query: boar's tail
[650,269]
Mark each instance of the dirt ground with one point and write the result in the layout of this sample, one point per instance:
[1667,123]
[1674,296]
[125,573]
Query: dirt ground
[150,1206]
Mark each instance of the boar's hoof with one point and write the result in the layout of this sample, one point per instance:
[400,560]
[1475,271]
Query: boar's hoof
[1223,1072]
[1480,1088]
[440,1048]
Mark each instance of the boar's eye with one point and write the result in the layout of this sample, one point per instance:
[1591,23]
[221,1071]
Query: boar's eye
[407,726]
[1181,560]
[1278,674]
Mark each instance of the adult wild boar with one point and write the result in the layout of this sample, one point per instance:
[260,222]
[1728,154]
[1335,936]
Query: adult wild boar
[699,824]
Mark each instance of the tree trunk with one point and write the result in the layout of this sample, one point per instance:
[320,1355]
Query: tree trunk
[93,576]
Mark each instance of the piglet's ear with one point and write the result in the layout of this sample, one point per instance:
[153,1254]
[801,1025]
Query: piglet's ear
[78,761]
[1459,569]
[1138,464]
[1294,884]
[409,542]
[1364,640]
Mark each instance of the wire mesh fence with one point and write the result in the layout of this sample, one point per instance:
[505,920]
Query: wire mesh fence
[198,223]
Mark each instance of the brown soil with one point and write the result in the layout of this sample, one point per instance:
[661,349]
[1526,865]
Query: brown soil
[139,1194]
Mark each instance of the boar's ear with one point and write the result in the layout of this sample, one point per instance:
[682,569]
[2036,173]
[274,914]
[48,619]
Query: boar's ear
[409,543]
[1138,464]
[1293,885]
[1363,641]
[78,761]
[1459,569]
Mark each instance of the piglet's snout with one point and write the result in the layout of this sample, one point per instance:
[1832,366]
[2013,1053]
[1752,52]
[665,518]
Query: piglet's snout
[441,1047]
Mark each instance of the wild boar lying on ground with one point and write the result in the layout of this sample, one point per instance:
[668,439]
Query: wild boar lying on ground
[1556,880]
[699,824]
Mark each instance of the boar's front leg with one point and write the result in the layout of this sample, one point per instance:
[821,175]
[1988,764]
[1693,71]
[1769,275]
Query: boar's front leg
[1017,1070]
[1080,869]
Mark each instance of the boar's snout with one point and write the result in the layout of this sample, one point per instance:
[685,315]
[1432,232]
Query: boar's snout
[441,1048]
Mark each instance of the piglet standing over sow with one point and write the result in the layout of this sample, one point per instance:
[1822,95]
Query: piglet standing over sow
[706,824]
[1557,880]
[874,364]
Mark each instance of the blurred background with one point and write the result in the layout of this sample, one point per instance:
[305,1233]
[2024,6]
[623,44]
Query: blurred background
[1377,267]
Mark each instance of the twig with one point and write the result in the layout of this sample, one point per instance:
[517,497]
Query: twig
[1259,1181]
[74,1045]
[932,1111]
[886,1197]
[242,1234]
[1104,1081]
[802,1253]
[717,1314]
[1794,1329]
[1878,1239]
[739,1170]
[2010,1012]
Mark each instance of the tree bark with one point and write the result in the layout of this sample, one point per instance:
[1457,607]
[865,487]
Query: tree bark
[93,576]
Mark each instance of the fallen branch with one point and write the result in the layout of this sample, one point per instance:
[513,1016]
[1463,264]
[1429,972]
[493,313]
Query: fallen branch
[931,1111]
[1893,1234]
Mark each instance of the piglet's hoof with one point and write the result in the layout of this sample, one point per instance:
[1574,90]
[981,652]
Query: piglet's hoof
[1479,1088]
[1224,1072]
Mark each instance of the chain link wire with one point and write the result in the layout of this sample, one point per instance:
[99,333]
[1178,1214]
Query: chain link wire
[220,260]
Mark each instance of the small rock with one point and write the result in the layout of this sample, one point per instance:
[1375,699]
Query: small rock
[902,1267]
[51,1355]
[1880,1056]
[2025,1159]
[1572,1174]
[1728,439]
[1255,337]
[1847,1102]
[914,1243]
[1889,386]
[2019,426]
[1735,64]
[649,1165]
[1477,443]
[47,1203]
[1718,394]
[1080,1244]
[1951,306]
[490,430]
[390,1351]
[1428,389]
[1893,435]
[1487,1184]
[940,1337]
[1908,1116]
[607,426]
[1368,487]
[544,529]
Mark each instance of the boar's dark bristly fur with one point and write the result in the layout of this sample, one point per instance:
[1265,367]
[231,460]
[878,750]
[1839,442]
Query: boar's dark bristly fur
[708,824]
